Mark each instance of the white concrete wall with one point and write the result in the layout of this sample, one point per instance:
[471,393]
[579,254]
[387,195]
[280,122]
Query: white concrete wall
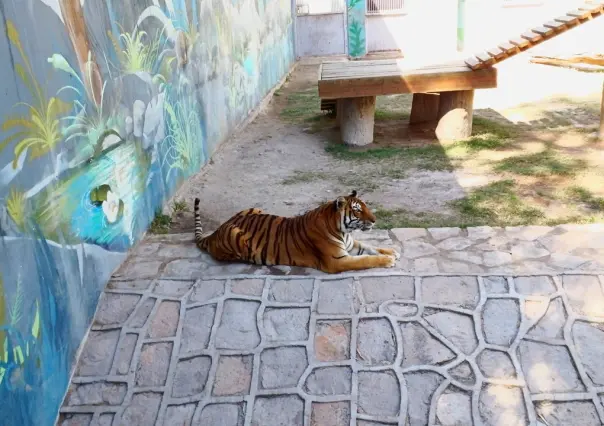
[320,35]
[424,33]
[427,32]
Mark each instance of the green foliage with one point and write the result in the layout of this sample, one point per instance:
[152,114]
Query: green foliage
[139,54]
[38,129]
[354,3]
[160,224]
[18,353]
[16,207]
[185,136]
[179,206]
[356,38]
[2,321]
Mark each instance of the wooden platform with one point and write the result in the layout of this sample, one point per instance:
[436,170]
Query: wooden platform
[441,93]
[536,35]
[338,80]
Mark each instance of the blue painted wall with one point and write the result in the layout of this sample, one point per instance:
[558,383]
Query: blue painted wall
[97,129]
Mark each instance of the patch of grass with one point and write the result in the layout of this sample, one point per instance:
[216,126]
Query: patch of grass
[362,183]
[385,114]
[179,207]
[541,164]
[485,127]
[302,106]
[161,223]
[431,157]
[582,195]
[301,176]
[496,204]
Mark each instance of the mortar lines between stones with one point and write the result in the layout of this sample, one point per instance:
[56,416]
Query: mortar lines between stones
[437,319]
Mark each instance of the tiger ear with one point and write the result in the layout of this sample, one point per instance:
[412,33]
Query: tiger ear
[354,193]
[340,202]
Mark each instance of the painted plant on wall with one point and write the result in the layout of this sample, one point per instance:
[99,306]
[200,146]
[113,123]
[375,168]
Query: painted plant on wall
[356,28]
[114,104]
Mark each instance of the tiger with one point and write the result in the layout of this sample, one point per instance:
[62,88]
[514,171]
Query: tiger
[320,239]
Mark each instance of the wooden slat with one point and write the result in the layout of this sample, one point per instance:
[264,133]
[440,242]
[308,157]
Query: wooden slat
[496,53]
[410,82]
[580,14]
[347,69]
[383,71]
[543,31]
[531,36]
[380,62]
[485,58]
[419,71]
[328,104]
[595,11]
[568,20]
[557,26]
[507,46]
[473,62]
[520,42]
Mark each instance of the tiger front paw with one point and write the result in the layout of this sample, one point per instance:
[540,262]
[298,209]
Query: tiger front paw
[386,261]
[390,252]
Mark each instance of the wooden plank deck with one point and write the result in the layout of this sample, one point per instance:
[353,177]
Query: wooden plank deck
[341,79]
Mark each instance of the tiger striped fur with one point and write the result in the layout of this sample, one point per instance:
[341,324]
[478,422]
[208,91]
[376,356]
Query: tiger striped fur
[320,239]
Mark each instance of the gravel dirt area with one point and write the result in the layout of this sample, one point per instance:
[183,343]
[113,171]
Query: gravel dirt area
[526,163]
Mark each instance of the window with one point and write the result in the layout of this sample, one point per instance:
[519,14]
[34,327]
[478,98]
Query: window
[319,7]
[385,7]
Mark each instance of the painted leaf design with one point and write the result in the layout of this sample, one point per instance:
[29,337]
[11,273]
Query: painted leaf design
[35,328]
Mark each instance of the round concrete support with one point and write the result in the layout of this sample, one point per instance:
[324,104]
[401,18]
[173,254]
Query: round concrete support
[424,108]
[455,113]
[357,117]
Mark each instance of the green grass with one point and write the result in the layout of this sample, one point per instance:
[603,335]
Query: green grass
[179,206]
[300,176]
[302,106]
[488,135]
[161,223]
[495,204]
[384,114]
[584,196]
[431,157]
[541,164]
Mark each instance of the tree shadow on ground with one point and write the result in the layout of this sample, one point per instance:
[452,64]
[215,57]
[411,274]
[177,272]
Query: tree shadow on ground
[541,168]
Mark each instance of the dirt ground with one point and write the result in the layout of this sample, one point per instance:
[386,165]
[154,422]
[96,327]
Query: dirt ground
[531,163]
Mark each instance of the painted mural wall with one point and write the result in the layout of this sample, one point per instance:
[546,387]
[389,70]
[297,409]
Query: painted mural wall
[106,106]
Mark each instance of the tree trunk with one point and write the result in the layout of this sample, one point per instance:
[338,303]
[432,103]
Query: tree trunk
[357,120]
[76,28]
[455,113]
[424,107]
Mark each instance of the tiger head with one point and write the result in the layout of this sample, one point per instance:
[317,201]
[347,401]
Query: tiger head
[354,213]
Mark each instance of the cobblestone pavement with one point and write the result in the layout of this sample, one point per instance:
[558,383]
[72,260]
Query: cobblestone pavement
[178,341]
[511,250]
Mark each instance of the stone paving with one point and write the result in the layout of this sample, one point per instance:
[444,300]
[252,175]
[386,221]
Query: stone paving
[181,340]
[510,250]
